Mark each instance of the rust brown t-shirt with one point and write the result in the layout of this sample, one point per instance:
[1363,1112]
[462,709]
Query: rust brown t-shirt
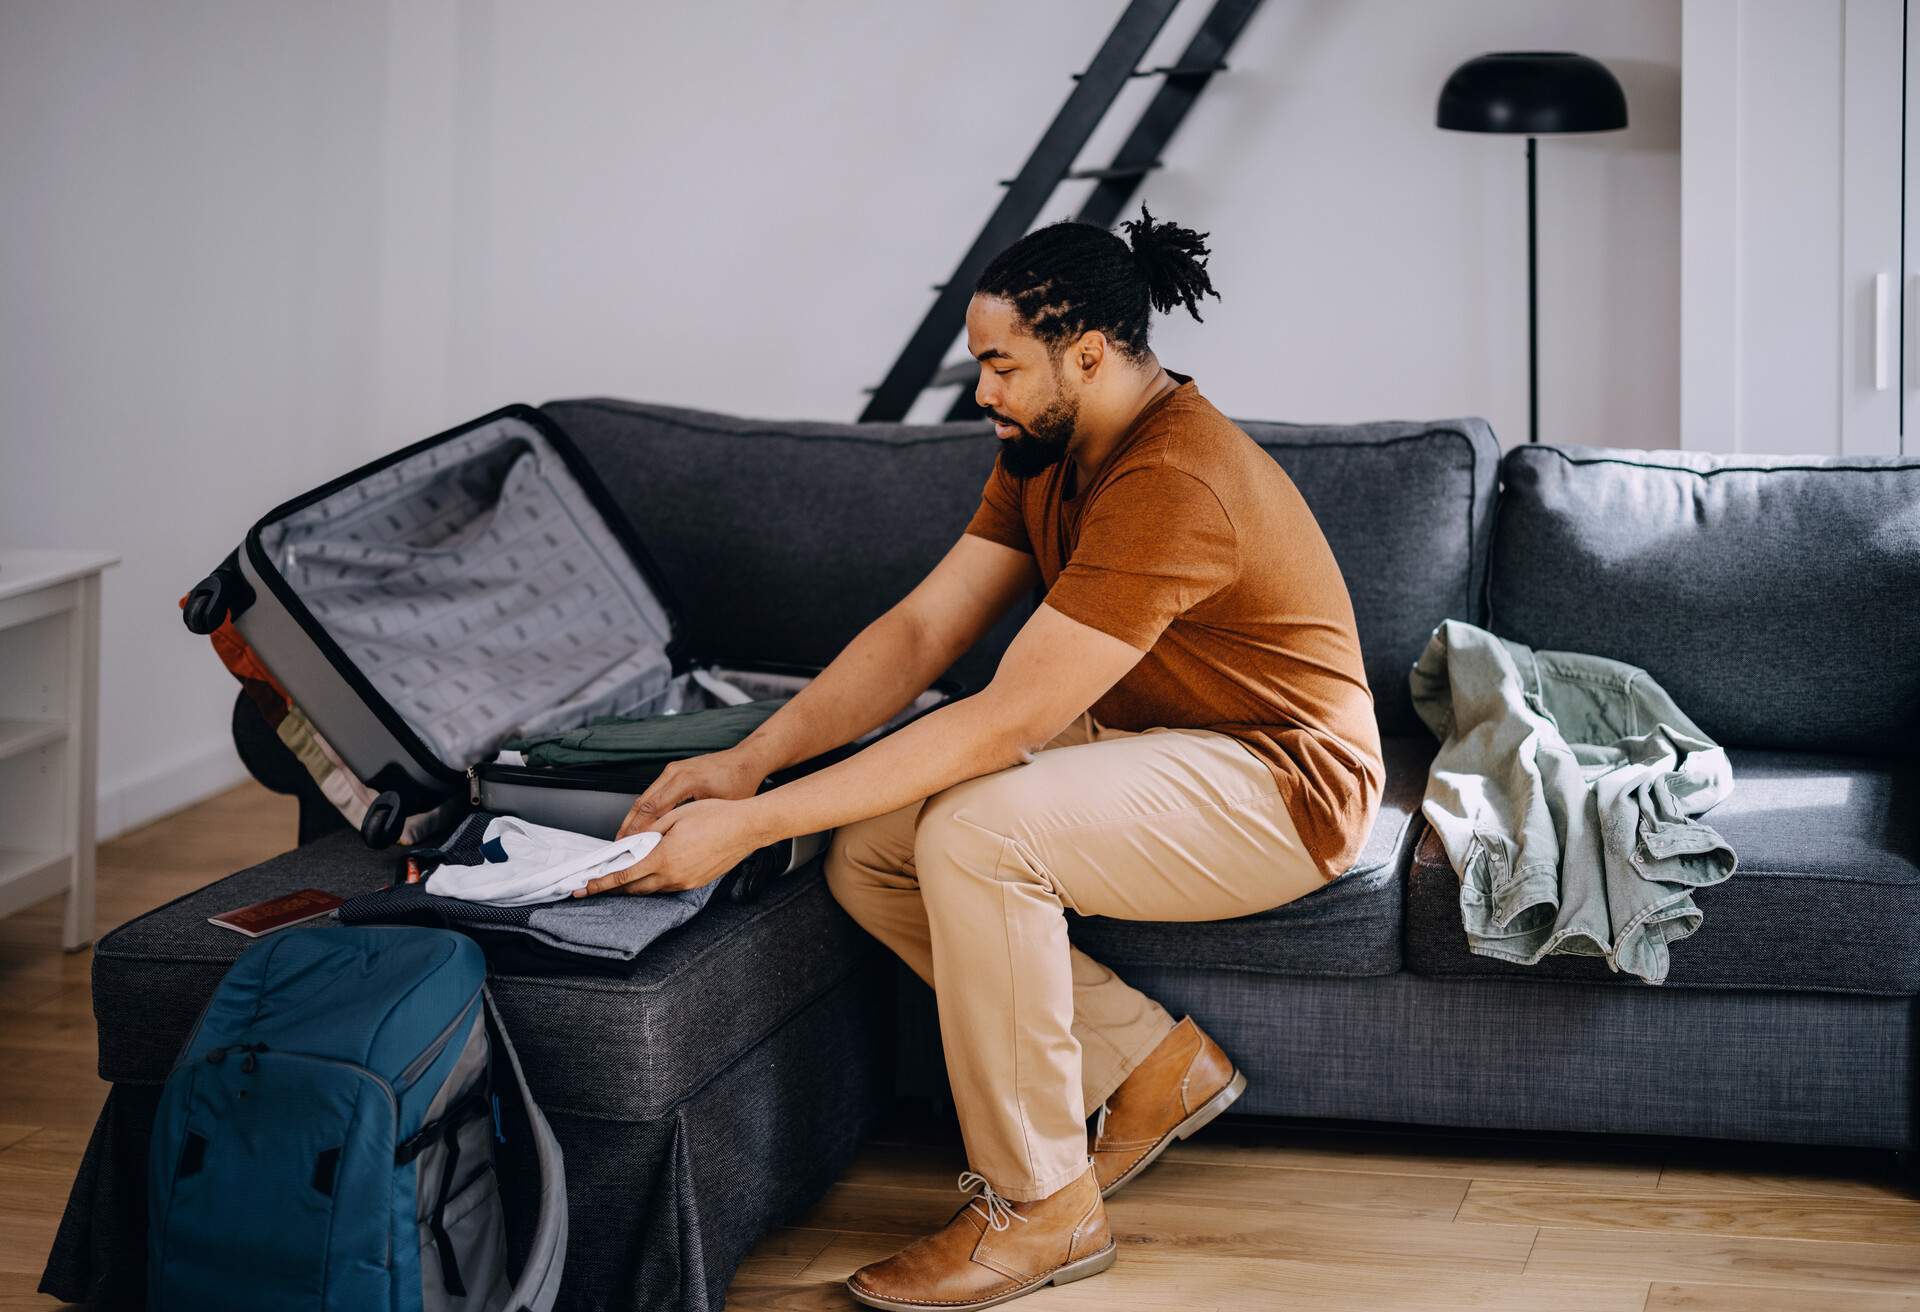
[1194,546]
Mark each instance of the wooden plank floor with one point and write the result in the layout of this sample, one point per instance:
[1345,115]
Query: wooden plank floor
[1247,1215]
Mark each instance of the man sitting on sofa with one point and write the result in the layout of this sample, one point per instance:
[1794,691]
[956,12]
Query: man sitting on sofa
[1181,731]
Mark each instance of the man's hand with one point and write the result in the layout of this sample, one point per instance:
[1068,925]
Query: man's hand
[724,775]
[700,841]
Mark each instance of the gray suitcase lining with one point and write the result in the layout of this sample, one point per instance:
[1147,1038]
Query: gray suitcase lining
[478,590]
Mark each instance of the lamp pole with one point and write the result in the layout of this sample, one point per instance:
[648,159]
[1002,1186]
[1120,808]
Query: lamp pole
[1533,311]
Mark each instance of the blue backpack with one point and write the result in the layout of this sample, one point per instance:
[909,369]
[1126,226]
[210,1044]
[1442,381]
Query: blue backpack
[325,1141]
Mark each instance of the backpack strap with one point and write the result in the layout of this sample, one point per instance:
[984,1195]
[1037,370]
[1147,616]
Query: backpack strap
[445,1130]
[539,1282]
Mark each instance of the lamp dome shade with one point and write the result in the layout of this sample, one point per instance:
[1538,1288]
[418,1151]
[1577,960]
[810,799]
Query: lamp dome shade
[1537,92]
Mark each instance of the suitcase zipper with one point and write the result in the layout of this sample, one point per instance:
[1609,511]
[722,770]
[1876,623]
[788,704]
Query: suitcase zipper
[612,781]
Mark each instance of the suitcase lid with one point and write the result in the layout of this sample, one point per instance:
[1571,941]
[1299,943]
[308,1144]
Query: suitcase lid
[334,532]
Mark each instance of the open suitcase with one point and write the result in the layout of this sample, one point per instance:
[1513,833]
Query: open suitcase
[476,585]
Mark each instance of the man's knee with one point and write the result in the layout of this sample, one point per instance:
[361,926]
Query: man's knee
[842,862]
[857,858]
[965,826]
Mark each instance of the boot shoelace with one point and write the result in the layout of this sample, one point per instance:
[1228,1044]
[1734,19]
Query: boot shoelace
[997,1210]
[1100,1124]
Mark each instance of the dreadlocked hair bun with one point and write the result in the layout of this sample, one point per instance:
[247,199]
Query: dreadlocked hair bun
[1070,278]
[1173,262]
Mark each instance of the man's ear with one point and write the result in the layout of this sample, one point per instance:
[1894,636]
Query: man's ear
[1089,353]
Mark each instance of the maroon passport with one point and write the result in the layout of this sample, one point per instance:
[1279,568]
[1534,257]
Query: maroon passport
[277,913]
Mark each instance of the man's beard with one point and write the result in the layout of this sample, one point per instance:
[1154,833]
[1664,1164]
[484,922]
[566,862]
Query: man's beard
[1042,444]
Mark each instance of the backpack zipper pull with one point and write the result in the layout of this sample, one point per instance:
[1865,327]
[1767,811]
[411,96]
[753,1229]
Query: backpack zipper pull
[218,1055]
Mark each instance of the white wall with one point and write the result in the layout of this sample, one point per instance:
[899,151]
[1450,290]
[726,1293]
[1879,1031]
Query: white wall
[248,244]
[190,206]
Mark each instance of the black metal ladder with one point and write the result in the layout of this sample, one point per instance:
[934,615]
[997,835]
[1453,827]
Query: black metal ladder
[1050,164]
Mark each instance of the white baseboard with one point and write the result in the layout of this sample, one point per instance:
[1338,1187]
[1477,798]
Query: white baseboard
[129,803]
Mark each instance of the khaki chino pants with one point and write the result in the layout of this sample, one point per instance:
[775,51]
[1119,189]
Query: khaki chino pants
[968,888]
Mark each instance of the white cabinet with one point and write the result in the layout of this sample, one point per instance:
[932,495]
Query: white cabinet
[1800,254]
[49,698]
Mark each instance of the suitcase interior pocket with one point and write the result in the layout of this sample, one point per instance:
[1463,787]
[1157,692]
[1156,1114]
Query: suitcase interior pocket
[481,593]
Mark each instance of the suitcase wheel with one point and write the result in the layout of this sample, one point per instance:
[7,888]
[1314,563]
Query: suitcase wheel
[206,608]
[385,817]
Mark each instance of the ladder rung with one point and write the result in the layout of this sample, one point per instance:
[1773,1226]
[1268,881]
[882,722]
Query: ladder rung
[960,371]
[1183,70]
[1172,70]
[1131,171]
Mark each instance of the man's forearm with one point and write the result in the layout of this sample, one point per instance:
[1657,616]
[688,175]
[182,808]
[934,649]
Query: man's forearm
[872,679]
[973,736]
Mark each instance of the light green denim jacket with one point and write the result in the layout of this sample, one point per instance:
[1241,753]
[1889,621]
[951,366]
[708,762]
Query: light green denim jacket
[1564,793]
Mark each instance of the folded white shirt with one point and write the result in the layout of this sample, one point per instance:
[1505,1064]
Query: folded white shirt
[527,863]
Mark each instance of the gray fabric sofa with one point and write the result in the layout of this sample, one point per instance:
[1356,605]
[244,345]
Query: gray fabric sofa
[730,1079]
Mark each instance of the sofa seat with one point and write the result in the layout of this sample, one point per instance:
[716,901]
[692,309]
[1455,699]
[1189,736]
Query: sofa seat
[1350,927]
[1825,896]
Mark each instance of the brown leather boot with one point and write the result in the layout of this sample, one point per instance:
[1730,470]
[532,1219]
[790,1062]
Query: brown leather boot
[994,1250]
[1183,1084]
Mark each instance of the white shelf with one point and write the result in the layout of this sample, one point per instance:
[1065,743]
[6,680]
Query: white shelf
[20,736]
[28,877]
[26,570]
[49,710]
[48,740]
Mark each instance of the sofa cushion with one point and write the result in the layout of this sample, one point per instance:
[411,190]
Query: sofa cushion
[1350,926]
[625,1048]
[1773,597]
[1825,896]
[782,539]
[1408,509]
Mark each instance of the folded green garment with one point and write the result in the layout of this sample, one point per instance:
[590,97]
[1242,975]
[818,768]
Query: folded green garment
[652,740]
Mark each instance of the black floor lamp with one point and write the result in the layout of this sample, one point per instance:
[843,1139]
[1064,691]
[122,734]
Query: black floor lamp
[1540,93]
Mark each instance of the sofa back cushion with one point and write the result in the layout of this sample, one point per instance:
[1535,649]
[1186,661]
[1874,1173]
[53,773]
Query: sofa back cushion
[1408,509]
[783,538]
[1777,598]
